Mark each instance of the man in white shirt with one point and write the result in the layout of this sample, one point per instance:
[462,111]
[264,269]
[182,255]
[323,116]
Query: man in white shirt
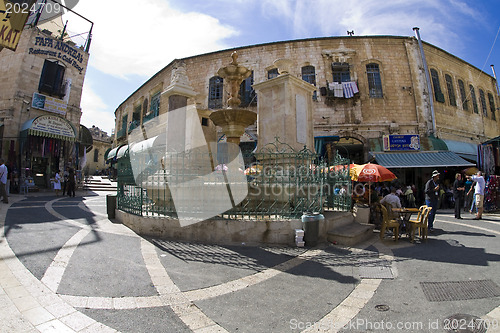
[3,180]
[392,199]
[479,193]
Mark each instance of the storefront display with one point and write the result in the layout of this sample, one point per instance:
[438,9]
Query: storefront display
[491,194]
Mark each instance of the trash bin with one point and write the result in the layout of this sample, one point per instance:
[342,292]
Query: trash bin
[311,227]
[111,205]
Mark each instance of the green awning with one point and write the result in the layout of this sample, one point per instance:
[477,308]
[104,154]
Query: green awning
[112,153]
[49,126]
[466,150]
[423,159]
[123,151]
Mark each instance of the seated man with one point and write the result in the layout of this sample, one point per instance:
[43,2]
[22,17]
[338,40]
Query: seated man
[391,200]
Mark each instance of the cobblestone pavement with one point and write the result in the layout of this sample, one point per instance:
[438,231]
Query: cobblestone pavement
[64,267]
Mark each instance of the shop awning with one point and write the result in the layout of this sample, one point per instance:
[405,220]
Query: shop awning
[122,151]
[49,126]
[142,145]
[106,154]
[466,150]
[112,153]
[423,159]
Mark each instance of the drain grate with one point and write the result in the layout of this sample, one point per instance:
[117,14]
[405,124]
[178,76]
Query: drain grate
[459,290]
[375,272]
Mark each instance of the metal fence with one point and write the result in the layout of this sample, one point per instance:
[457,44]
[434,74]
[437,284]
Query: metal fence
[281,183]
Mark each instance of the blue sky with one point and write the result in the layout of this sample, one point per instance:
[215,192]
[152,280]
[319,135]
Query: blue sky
[132,40]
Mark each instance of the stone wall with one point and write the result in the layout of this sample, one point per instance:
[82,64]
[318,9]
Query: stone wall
[404,108]
[214,231]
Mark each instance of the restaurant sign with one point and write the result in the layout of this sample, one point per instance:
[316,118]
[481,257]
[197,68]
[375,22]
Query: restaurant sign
[49,104]
[52,127]
[401,142]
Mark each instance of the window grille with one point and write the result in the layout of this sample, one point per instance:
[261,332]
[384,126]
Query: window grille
[374,81]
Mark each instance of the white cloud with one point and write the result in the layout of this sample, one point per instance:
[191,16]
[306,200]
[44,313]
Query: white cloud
[440,20]
[141,37]
[94,110]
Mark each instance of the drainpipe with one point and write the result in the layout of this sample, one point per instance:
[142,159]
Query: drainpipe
[496,81]
[427,78]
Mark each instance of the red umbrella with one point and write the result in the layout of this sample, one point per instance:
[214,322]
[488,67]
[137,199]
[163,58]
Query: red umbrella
[371,173]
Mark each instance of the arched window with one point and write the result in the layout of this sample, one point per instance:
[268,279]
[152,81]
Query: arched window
[451,90]
[154,107]
[438,94]
[272,73]
[463,95]
[215,91]
[473,97]
[309,74]
[492,106]
[247,94]
[482,99]
[374,81]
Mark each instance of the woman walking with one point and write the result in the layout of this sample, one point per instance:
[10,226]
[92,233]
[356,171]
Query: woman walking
[57,182]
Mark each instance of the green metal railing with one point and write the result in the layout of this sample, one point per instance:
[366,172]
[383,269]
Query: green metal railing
[282,184]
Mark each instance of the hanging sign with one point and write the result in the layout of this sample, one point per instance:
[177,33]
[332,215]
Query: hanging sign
[13,16]
[52,126]
[50,104]
[401,142]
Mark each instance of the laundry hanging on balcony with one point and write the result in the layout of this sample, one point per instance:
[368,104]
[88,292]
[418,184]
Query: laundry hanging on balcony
[344,89]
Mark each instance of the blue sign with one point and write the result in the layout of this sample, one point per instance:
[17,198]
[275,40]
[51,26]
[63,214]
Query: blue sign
[401,142]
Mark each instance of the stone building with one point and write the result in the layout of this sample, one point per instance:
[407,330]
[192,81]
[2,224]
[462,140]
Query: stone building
[40,92]
[372,101]
[101,145]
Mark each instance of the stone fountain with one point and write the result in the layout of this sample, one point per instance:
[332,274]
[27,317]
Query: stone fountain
[233,120]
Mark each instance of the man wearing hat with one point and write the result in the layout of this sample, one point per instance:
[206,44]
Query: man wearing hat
[431,197]
[479,193]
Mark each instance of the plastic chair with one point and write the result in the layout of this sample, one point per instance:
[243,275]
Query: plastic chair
[421,225]
[388,224]
[420,210]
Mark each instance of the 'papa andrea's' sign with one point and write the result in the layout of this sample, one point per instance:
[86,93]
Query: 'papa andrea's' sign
[58,49]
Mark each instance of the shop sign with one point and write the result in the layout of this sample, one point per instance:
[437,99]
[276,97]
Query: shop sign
[13,16]
[52,125]
[401,142]
[58,49]
[49,104]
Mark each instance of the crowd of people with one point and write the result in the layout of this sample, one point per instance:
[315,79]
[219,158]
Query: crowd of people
[466,193]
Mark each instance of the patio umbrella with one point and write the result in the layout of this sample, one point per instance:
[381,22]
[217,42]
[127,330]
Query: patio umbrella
[471,171]
[371,173]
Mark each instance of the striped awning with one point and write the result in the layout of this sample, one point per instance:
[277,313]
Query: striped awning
[50,126]
[423,159]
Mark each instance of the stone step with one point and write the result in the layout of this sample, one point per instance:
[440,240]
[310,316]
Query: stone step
[335,219]
[350,234]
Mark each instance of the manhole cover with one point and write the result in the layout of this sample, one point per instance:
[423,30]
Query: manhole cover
[464,323]
[459,290]
[382,307]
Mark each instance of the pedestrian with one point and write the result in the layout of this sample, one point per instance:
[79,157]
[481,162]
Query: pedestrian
[473,208]
[431,191]
[57,182]
[479,193]
[65,180]
[468,196]
[71,182]
[458,194]
[3,180]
